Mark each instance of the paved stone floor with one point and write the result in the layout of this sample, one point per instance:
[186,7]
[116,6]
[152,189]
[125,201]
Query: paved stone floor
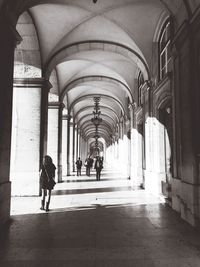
[98,224]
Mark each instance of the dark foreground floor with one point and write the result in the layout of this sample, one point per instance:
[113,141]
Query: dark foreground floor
[108,233]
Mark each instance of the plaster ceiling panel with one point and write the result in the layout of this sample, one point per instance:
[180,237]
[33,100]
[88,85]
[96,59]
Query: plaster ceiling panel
[98,69]
[104,128]
[106,109]
[112,104]
[73,70]
[69,70]
[87,120]
[101,81]
[119,68]
[91,141]
[98,56]
[81,91]
[124,68]
[103,5]
[89,112]
[97,28]
[97,87]
[83,103]
[104,102]
[94,52]
[104,133]
[53,22]
[139,20]
[92,77]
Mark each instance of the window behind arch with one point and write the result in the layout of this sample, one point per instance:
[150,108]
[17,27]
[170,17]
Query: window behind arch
[164,49]
[140,83]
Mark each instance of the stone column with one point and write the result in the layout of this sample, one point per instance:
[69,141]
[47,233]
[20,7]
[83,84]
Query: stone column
[73,146]
[64,144]
[68,144]
[121,148]
[84,149]
[77,142]
[53,130]
[26,135]
[152,179]
[131,112]
[126,147]
[44,120]
[9,38]
[60,125]
[81,144]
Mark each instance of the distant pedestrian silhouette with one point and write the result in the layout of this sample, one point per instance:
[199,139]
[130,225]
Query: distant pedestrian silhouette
[78,166]
[88,165]
[98,166]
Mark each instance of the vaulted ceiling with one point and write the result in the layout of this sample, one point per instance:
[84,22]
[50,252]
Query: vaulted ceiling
[98,50]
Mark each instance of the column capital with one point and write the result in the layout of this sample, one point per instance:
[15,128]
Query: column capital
[76,128]
[121,120]
[72,123]
[65,117]
[132,106]
[32,83]
[62,106]
[68,116]
[147,85]
[55,105]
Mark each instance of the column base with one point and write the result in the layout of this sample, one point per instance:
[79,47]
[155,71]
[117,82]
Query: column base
[176,193]
[5,194]
[185,200]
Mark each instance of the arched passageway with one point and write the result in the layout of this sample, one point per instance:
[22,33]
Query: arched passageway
[57,57]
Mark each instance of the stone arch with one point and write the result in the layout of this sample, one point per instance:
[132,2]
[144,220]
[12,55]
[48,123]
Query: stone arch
[124,50]
[101,107]
[75,82]
[103,96]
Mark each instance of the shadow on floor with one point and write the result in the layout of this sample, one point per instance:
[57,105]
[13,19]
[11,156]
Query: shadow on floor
[92,179]
[92,190]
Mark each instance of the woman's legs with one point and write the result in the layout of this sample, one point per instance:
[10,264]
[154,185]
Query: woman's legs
[48,202]
[44,193]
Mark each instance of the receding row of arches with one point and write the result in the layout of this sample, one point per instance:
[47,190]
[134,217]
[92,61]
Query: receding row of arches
[57,56]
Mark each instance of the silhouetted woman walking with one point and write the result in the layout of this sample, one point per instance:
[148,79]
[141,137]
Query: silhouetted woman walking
[47,181]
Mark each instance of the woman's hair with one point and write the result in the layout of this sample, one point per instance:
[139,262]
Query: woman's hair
[47,159]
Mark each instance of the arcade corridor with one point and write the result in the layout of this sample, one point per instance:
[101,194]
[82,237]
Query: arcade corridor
[113,82]
[98,224]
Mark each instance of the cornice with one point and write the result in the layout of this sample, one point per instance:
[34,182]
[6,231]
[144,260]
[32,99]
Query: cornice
[56,105]
[32,83]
